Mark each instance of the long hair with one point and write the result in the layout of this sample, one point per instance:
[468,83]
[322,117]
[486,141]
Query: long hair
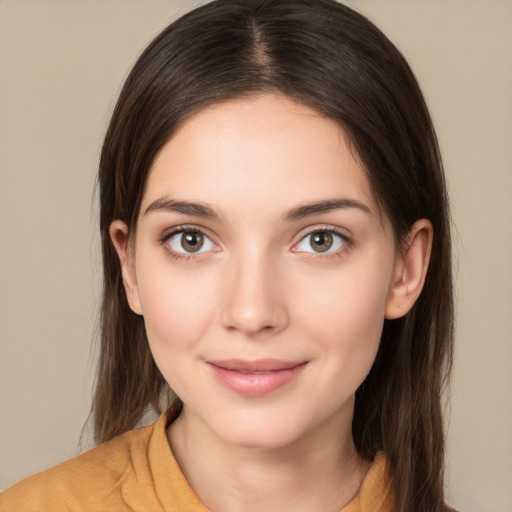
[335,61]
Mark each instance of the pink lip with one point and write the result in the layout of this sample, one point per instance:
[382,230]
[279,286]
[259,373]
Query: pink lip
[255,378]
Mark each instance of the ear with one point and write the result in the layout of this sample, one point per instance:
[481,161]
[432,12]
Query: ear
[120,238]
[410,270]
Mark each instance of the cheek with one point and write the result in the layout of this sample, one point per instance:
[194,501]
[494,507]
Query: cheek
[352,299]
[345,319]
[177,310]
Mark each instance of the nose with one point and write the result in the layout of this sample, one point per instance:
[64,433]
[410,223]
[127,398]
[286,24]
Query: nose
[254,297]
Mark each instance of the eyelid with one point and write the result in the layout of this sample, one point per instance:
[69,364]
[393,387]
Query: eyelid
[167,233]
[311,230]
[315,228]
[175,230]
[337,232]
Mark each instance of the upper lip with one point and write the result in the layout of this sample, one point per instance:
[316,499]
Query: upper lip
[258,365]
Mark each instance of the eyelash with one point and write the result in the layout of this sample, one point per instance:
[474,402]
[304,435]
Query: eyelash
[347,243]
[183,256]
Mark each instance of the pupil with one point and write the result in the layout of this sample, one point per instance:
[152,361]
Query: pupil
[321,242]
[192,241]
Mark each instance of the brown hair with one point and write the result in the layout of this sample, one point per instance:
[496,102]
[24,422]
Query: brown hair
[335,61]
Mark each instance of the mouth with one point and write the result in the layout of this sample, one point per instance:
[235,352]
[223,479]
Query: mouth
[255,378]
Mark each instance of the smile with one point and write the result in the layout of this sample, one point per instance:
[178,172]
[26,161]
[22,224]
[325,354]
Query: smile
[255,378]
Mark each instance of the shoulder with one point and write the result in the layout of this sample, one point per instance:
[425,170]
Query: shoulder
[90,480]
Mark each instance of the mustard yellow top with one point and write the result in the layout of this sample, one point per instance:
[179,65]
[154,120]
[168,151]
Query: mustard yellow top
[138,472]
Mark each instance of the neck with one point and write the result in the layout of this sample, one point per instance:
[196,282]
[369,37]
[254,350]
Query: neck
[321,471]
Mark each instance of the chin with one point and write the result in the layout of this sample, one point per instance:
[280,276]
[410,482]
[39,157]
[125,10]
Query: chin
[261,440]
[263,430]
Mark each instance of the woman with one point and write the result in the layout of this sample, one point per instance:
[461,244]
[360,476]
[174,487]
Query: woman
[276,251]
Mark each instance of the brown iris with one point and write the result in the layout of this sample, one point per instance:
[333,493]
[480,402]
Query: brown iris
[192,241]
[321,241]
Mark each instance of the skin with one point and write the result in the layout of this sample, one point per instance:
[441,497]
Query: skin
[259,289]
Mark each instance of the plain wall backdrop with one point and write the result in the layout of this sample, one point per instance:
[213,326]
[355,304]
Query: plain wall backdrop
[62,64]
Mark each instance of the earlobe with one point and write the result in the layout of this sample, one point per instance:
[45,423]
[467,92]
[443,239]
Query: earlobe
[410,270]
[120,239]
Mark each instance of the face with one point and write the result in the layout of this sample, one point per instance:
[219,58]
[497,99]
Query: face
[263,270]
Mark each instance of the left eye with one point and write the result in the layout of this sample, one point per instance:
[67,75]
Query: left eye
[190,241]
[321,242]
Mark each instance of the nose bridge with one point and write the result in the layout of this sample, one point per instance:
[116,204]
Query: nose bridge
[253,299]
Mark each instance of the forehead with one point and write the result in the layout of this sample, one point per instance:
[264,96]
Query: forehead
[266,151]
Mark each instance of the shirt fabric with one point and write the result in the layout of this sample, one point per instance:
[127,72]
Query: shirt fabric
[137,472]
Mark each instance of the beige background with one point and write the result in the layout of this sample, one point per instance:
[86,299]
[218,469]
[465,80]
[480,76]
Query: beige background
[62,63]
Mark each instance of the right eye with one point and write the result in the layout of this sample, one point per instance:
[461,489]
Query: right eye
[189,241]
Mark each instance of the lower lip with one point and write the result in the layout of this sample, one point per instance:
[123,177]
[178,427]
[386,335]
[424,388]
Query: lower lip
[256,384]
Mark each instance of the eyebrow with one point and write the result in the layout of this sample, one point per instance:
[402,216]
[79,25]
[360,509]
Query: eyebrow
[199,209]
[184,207]
[328,205]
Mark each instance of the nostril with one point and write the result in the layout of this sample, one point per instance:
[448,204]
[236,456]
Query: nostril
[255,320]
